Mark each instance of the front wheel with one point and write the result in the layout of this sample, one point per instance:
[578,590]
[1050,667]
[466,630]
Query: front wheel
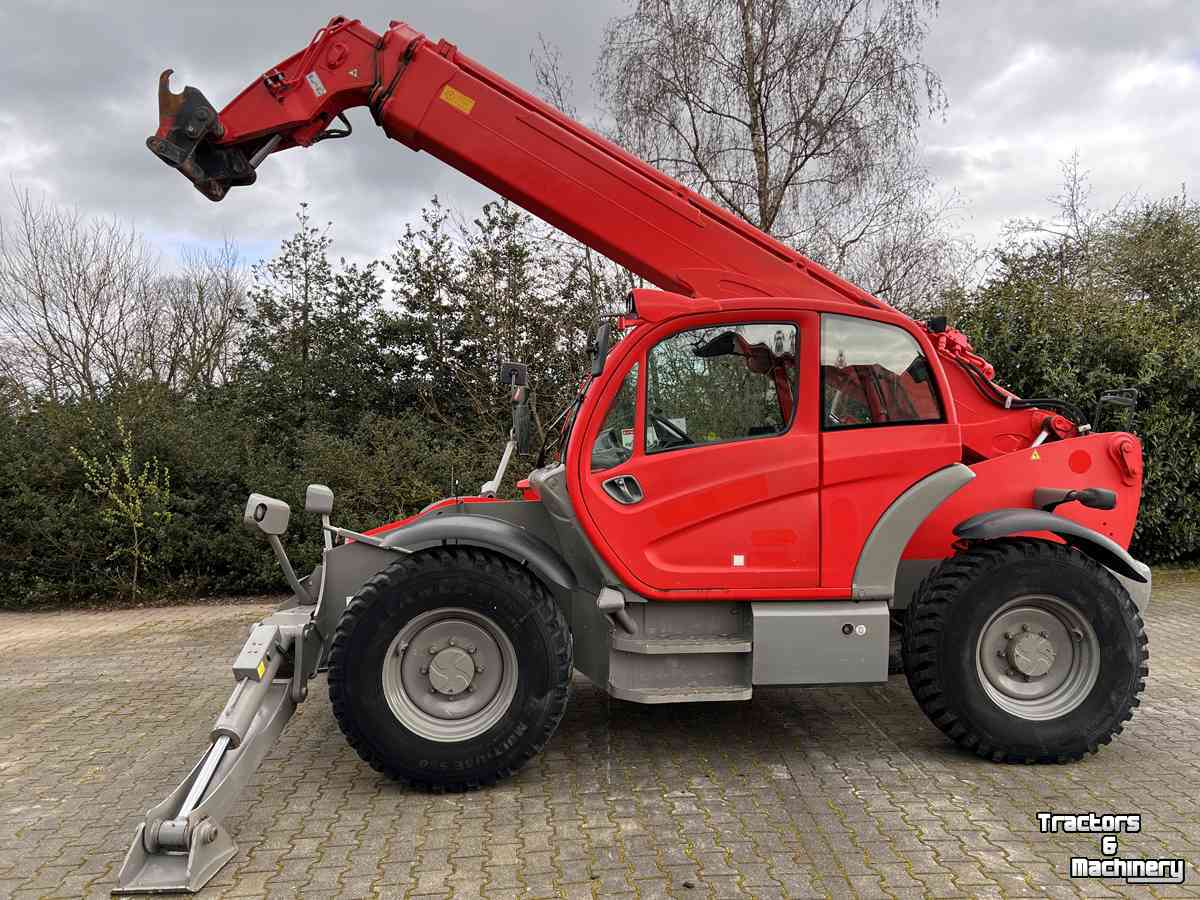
[1025,651]
[450,669]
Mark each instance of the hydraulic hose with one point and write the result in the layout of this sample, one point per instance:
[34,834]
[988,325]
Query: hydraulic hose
[990,390]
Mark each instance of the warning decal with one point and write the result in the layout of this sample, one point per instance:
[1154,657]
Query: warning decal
[458,99]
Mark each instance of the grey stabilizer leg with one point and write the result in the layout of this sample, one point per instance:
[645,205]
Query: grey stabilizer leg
[182,843]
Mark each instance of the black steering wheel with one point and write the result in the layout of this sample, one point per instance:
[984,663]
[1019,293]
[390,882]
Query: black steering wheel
[681,438]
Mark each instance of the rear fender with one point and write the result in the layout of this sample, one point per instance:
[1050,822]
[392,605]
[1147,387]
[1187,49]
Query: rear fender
[999,523]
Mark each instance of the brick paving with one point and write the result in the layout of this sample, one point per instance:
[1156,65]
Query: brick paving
[837,792]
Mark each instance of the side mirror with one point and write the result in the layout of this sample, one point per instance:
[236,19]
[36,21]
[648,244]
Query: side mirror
[603,345]
[268,515]
[522,427]
[514,373]
[318,499]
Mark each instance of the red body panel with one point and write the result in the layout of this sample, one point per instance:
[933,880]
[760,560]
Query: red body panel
[863,472]
[1010,480]
[755,499]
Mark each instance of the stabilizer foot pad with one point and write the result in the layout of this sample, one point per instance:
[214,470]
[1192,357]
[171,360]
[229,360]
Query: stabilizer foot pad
[173,871]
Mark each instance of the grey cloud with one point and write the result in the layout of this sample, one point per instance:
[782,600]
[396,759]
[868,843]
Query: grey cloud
[1031,82]
[79,82]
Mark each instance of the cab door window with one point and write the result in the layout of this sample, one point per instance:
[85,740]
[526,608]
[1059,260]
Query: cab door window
[873,373]
[721,383]
[614,443]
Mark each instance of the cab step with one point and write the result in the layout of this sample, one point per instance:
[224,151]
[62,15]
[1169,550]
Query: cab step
[683,653]
[705,694]
[667,644]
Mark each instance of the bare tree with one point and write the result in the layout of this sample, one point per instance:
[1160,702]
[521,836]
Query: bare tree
[191,331]
[800,116]
[85,307]
[68,289]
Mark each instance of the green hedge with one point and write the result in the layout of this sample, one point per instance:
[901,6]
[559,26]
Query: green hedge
[60,549]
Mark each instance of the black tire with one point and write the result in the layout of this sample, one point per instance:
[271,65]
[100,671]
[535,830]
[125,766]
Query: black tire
[424,582]
[944,652]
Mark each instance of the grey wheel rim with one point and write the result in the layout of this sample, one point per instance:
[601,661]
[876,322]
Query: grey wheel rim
[450,674]
[1038,657]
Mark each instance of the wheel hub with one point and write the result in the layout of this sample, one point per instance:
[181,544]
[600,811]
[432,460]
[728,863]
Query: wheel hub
[450,674]
[1031,654]
[451,671]
[1038,657]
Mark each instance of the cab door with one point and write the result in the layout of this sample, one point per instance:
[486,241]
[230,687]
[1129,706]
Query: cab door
[704,473]
[885,425]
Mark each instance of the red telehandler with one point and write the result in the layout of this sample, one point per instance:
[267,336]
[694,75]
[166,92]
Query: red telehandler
[770,476]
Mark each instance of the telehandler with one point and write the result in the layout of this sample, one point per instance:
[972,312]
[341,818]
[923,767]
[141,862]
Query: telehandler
[768,476]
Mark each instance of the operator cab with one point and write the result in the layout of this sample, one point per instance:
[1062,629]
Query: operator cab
[751,444]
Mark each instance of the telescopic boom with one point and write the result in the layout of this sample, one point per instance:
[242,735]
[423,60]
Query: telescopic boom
[431,97]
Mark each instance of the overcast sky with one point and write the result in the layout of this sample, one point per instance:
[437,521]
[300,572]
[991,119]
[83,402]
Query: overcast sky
[1029,82]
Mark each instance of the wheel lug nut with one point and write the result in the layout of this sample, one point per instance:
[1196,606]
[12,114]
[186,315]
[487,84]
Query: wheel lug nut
[1008,635]
[1043,634]
[479,668]
[1024,627]
[424,670]
[433,650]
[450,642]
[1000,653]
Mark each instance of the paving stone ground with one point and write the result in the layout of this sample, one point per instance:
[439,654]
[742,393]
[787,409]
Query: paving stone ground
[838,792]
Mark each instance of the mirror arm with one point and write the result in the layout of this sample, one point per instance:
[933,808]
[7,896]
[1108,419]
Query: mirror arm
[490,488]
[288,572]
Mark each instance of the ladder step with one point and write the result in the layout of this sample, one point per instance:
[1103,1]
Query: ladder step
[706,694]
[671,645]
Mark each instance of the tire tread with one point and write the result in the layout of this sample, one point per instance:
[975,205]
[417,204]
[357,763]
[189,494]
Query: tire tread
[935,601]
[381,588]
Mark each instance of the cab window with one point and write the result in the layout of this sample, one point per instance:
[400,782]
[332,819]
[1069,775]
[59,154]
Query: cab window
[614,443]
[873,373]
[720,383]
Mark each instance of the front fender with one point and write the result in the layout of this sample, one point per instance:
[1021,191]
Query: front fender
[487,533]
[1000,523]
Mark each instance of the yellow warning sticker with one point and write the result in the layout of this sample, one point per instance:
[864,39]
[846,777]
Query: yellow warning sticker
[262,668]
[458,99]
[1035,455]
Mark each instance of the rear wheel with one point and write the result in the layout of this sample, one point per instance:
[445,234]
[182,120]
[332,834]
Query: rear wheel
[450,669]
[1025,651]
